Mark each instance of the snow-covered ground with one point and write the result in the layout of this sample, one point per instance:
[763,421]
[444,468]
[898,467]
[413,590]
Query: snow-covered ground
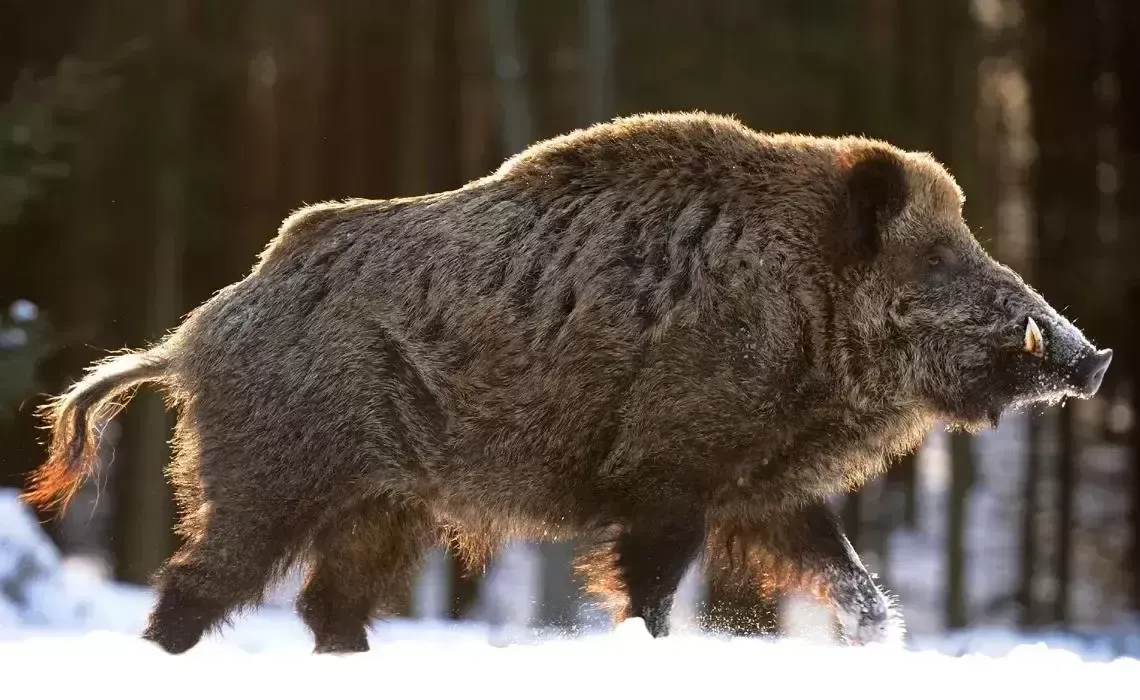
[428,661]
[269,653]
[65,630]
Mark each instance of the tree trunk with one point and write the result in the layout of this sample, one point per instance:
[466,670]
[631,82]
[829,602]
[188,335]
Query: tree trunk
[1066,491]
[963,467]
[417,97]
[515,110]
[87,527]
[1029,500]
[597,40]
[1133,371]
[902,479]
[145,494]
[1125,19]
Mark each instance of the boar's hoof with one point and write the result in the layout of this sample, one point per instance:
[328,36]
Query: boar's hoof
[341,645]
[869,617]
[174,641]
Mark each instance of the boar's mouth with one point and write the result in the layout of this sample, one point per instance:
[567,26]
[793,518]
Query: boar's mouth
[1039,359]
[1054,362]
[1066,363]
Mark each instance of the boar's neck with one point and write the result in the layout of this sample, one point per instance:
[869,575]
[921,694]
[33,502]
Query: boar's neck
[839,415]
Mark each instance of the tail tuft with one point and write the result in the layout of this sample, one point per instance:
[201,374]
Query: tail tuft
[76,419]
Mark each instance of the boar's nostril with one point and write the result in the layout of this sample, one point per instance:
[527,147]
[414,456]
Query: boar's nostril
[1090,371]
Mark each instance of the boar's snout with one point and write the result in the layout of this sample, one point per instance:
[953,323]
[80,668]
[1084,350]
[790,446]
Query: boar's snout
[1067,357]
[1089,372]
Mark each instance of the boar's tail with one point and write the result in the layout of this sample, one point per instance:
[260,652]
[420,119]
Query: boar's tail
[76,419]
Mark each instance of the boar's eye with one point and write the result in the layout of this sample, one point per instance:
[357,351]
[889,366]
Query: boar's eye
[939,257]
[937,262]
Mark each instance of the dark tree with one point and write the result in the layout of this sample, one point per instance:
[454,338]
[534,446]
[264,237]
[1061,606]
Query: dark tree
[1062,68]
[1123,18]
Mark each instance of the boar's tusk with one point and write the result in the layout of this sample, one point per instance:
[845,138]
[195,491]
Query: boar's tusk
[1034,343]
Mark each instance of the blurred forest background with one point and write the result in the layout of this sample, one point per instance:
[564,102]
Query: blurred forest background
[149,149]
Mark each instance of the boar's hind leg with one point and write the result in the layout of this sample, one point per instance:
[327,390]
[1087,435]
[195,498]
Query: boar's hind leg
[651,561]
[227,563]
[362,564]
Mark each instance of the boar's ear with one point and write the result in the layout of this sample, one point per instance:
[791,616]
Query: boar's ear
[875,192]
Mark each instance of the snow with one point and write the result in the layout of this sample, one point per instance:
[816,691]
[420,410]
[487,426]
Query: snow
[35,589]
[272,658]
[64,629]
[23,311]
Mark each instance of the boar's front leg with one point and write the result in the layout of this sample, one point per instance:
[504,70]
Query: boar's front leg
[652,559]
[809,551]
[635,569]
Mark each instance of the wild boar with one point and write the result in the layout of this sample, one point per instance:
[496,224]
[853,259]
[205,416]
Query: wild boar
[659,334]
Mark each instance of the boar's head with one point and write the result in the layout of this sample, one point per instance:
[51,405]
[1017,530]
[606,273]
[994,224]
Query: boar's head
[967,337]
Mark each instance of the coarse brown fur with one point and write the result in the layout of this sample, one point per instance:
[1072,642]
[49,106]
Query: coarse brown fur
[665,328]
